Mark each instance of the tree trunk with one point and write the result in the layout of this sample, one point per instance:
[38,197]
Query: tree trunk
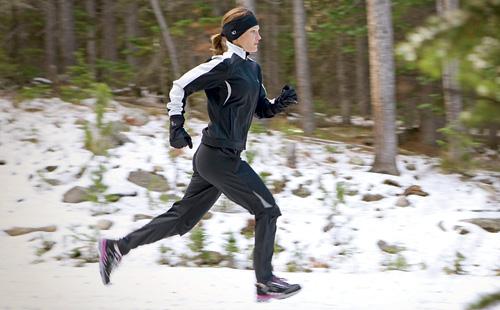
[163,73]
[409,94]
[410,112]
[428,127]
[14,34]
[328,92]
[218,8]
[382,85]
[50,40]
[109,51]
[452,92]
[493,136]
[274,51]
[90,8]
[269,48]
[345,107]
[362,81]
[67,32]
[453,104]
[302,64]
[166,37]
[132,32]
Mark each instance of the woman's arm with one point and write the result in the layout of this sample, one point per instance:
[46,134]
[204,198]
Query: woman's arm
[268,108]
[265,107]
[204,76]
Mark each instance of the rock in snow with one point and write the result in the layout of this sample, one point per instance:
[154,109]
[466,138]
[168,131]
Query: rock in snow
[490,225]
[150,180]
[17,231]
[104,224]
[402,202]
[76,194]
[372,197]
[415,190]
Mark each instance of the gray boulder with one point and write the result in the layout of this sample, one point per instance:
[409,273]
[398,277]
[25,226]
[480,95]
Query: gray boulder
[104,224]
[76,194]
[356,160]
[149,180]
[490,225]
[372,197]
[301,191]
[391,183]
[388,248]
[402,202]
[415,190]
[210,258]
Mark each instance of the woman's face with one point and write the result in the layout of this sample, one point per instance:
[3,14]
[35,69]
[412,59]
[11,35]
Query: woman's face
[249,40]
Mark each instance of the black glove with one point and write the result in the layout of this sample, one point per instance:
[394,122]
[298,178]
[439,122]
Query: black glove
[179,138]
[287,97]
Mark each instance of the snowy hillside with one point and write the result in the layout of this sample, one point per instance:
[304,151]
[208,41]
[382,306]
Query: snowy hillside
[355,239]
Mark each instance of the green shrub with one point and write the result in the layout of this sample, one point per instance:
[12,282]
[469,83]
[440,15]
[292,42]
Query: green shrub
[257,128]
[197,238]
[9,70]
[231,246]
[81,80]
[399,263]
[115,73]
[457,265]
[98,188]
[340,189]
[486,301]
[36,91]
[251,156]
[465,145]
[103,95]
[264,175]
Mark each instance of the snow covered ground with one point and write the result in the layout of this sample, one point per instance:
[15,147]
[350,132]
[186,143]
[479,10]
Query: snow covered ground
[442,261]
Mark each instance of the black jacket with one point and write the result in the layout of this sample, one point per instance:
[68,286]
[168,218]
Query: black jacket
[233,85]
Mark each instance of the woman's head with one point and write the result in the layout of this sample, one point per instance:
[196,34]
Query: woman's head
[240,27]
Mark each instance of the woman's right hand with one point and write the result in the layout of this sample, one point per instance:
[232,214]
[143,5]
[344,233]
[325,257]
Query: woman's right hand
[179,137]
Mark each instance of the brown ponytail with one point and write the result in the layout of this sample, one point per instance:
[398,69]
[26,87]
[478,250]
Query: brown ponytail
[218,44]
[218,41]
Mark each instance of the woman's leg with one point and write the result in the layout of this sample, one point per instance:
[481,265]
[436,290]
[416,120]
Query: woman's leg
[259,201]
[184,214]
[237,180]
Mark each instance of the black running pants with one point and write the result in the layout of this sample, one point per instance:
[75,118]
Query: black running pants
[217,171]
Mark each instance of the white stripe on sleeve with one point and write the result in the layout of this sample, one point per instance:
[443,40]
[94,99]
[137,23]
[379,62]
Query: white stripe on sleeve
[176,94]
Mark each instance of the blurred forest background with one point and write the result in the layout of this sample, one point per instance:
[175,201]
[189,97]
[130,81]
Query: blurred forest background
[427,72]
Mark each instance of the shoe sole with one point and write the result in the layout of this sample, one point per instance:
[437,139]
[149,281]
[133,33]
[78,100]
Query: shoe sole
[268,298]
[101,248]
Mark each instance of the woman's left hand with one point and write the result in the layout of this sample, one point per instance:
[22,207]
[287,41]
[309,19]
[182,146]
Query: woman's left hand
[287,97]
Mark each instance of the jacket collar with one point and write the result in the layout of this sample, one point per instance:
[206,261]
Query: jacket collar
[236,49]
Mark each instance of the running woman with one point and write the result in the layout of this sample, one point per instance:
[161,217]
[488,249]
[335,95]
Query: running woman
[233,85]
